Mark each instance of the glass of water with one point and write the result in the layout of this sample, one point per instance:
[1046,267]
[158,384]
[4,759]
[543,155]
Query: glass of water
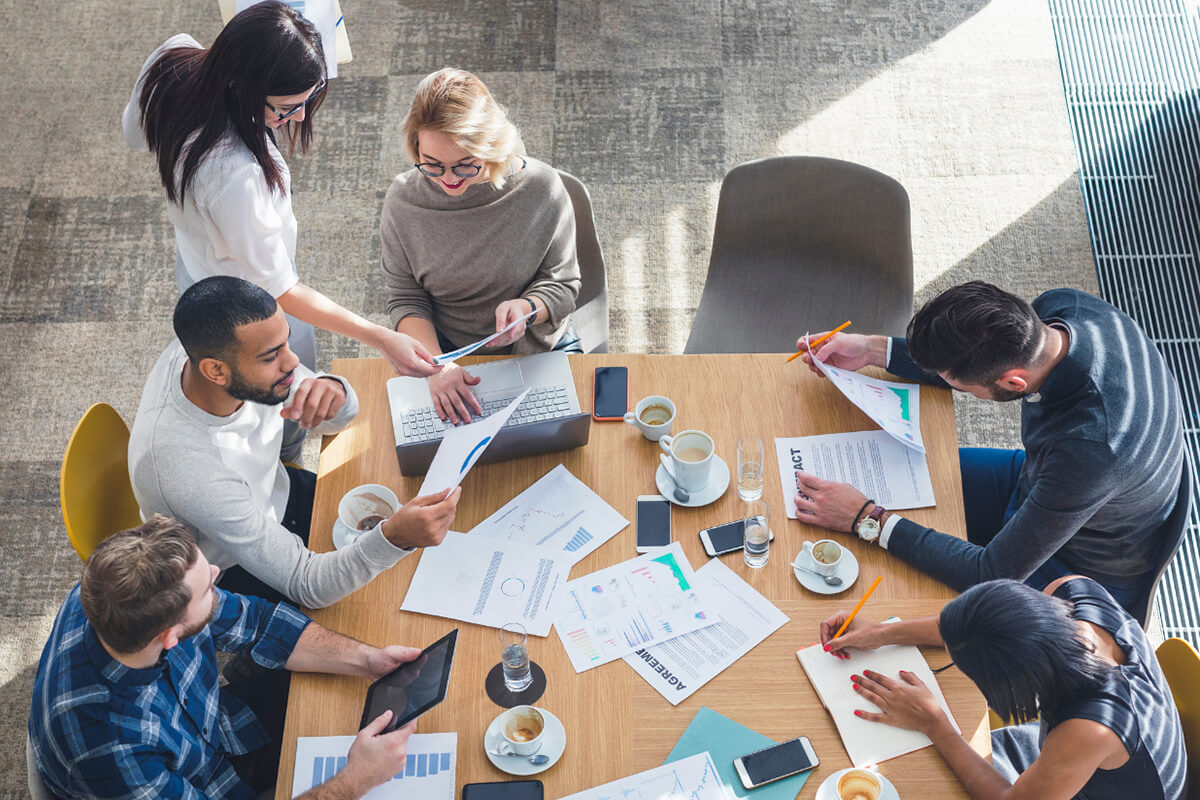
[758,534]
[750,467]
[514,658]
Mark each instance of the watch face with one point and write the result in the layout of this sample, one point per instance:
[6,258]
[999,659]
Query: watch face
[868,529]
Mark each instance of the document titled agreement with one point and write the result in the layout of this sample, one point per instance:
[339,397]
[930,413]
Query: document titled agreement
[890,473]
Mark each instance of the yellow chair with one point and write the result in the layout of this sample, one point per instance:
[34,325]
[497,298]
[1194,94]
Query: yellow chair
[1181,666]
[93,486]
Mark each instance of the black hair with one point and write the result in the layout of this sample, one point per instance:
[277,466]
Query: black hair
[268,49]
[1022,648]
[975,332]
[209,313]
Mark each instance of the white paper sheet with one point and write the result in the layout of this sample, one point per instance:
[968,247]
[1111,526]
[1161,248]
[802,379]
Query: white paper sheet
[428,769]
[615,611]
[557,511]
[466,350]
[868,742]
[324,16]
[462,446]
[873,462]
[895,407]
[691,778]
[679,667]
[488,582]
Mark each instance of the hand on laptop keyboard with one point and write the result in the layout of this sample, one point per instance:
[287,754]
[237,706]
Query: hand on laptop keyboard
[453,399]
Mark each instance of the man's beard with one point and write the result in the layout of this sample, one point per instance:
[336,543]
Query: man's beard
[199,626]
[239,389]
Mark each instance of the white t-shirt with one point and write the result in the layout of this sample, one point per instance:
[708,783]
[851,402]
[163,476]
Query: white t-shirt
[231,222]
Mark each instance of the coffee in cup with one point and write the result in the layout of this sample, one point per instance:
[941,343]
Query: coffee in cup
[656,415]
[364,507]
[826,556]
[691,455]
[859,784]
[653,416]
[522,728]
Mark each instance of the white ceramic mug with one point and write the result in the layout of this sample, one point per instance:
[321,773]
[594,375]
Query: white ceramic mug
[859,784]
[691,455]
[364,507]
[830,553]
[523,728]
[654,430]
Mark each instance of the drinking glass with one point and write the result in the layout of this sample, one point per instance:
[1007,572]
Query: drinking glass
[514,658]
[758,534]
[750,467]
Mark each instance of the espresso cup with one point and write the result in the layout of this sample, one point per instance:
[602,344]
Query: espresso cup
[653,416]
[364,508]
[691,455]
[825,554]
[859,784]
[522,728]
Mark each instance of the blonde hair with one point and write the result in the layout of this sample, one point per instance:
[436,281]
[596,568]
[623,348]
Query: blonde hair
[456,103]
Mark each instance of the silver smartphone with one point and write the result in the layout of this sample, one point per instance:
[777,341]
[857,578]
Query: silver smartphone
[653,522]
[726,538]
[776,762]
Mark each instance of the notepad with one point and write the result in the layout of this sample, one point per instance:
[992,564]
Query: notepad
[868,742]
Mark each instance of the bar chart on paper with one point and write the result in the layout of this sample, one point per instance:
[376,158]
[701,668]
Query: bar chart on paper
[428,770]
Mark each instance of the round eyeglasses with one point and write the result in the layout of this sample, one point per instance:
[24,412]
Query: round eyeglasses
[295,109]
[433,169]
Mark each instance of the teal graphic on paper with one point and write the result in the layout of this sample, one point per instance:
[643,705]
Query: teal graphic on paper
[726,740]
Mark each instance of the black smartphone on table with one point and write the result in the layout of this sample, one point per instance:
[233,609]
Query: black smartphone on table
[726,538]
[610,393]
[776,762]
[653,522]
[503,790]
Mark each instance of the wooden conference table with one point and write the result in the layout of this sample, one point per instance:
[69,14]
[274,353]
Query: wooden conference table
[616,723]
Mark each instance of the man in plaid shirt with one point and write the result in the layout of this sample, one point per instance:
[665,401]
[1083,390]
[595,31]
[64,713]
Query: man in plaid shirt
[126,702]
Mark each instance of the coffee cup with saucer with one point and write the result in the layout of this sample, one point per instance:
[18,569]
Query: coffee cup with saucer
[885,790]
[498,747]
[845,568]
[362,509]
[718,482]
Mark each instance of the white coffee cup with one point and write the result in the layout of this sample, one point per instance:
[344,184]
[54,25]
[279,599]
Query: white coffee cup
[859,784]
[365,507]
[657,427]
[523,728]
[825,554]
[691,455]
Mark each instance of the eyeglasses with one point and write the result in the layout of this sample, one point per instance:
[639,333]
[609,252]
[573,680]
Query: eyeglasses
[433,169]
[285,114]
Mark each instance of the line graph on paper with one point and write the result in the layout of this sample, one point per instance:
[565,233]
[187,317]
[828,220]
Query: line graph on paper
[692,778]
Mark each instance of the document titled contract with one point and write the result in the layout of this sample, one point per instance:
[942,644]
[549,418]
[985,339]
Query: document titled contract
[558,511]
[679,667]
[873,462]
[488,582]
[462,446]
[895,407]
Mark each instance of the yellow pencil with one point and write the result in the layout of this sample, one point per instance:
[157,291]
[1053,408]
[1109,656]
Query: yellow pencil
[811,345]
[850,618]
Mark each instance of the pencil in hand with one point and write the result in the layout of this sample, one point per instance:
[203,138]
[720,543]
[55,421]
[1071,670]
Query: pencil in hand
[811,345]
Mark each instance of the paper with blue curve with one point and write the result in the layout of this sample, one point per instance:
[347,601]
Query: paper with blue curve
[428,770]
[467,349]
[461,448]
[692,778]
[724,740]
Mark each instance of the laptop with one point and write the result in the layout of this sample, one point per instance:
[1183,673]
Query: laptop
[548,419]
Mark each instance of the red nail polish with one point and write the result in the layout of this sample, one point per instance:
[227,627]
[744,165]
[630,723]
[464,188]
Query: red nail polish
[858,713]
[828,648]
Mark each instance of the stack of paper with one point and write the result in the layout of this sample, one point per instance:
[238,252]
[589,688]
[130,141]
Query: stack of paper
[868,742]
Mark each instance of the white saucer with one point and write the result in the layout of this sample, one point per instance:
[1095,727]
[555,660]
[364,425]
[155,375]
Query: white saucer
[828,788]
[343,534]
[847,571]
[718,482]
[553,746]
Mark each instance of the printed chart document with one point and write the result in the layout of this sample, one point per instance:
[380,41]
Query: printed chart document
[466,350]
[680,666]
[557,511]
[692,778]
[488,582]
[868,742]
[873,462]
[618,610]
[895,407]
[428,770]
[462,446]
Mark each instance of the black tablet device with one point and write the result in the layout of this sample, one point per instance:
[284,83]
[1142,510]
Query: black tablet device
[414,687]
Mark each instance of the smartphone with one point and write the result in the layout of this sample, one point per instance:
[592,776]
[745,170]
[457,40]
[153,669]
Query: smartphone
[610,393]
[775,762]
[653,522]
[725,538]
[503,790]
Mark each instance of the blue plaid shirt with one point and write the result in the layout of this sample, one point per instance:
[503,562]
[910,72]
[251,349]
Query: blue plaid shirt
[101,729]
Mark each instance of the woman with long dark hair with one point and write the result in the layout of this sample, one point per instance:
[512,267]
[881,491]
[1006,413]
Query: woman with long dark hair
[1094,717]
[212,118]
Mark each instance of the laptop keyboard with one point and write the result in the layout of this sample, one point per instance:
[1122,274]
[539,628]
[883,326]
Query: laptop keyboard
[547,402]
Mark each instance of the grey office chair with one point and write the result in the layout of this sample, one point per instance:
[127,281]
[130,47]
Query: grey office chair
[591,308]
[1175,528]
[38,789]
[804,244]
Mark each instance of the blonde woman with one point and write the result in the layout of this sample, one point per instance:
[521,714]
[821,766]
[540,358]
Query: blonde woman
[475,236]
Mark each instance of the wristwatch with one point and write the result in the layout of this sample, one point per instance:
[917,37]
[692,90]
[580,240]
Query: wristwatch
[868,527]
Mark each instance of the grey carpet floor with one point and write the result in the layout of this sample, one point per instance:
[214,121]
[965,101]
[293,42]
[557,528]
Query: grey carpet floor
[648,102]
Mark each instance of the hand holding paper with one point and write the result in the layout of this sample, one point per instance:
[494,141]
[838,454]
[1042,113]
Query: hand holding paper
[461,448]
[466,350]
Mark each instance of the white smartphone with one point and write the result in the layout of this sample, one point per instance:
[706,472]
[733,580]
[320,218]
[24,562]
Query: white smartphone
[776,762]
[653,522]
[726,538]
